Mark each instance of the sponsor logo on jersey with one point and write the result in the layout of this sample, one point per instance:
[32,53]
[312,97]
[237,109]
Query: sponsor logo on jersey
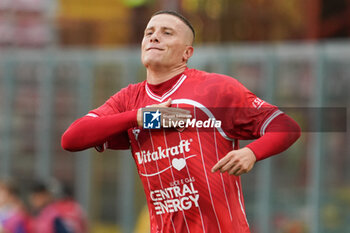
[257,103]
[143,156]
[179,197]
[160,153]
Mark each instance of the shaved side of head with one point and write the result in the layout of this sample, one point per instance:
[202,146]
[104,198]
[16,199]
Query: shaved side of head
[183,19]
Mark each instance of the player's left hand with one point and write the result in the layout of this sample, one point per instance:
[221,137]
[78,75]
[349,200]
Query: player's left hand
[236,162]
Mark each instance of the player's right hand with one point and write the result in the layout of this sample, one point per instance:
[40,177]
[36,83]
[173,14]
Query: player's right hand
[236,162]
[168,113]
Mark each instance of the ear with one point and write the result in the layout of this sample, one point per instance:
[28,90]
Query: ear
[187,53]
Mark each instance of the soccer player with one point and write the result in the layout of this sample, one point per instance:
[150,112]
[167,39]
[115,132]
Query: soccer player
[190,172]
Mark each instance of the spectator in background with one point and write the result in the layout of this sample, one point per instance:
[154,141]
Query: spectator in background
[55,216]
[13,215]
[71,211]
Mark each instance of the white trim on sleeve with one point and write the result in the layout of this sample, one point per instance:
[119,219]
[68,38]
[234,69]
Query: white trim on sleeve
[268,121]
[92,115]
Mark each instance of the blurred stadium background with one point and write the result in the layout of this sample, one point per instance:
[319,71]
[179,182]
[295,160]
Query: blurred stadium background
[61,58]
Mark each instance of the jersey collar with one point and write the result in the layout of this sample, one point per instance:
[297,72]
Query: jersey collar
[167,94]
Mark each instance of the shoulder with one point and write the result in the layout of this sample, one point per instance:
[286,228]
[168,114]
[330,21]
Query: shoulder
[211,77]
[50,211]
[127,94]
[214,80]
[131,89]
[121,101]
[65,206]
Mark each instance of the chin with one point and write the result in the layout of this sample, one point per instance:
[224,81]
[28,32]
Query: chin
[152,62]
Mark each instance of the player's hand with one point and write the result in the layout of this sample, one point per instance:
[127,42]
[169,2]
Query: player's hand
[236,162]
[168,113]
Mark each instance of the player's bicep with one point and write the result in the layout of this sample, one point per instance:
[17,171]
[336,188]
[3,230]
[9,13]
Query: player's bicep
[104,110]
[254,117]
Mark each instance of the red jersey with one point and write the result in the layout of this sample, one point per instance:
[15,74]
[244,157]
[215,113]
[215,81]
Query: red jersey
[183,195]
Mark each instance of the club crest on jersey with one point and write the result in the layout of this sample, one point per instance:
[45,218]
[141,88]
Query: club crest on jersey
[151,119]
[136,132]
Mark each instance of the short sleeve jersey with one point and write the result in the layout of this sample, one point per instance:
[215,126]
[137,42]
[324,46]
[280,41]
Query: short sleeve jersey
[174,164]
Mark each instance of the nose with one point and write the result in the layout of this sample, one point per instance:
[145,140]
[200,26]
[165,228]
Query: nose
[154,37]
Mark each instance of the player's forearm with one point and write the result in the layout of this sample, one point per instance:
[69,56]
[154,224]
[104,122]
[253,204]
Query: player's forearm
[281,133]
[88,131]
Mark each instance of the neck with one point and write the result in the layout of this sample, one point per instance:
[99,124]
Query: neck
[156,76]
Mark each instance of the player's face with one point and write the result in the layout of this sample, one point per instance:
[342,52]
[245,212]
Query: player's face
[166,43]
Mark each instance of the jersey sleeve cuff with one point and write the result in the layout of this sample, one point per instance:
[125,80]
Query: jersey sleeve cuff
[268,121]
[255,150]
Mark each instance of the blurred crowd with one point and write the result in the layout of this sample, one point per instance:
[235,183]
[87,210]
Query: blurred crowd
[38,207]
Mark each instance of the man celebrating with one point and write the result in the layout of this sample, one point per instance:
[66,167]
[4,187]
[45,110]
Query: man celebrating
[190,174]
